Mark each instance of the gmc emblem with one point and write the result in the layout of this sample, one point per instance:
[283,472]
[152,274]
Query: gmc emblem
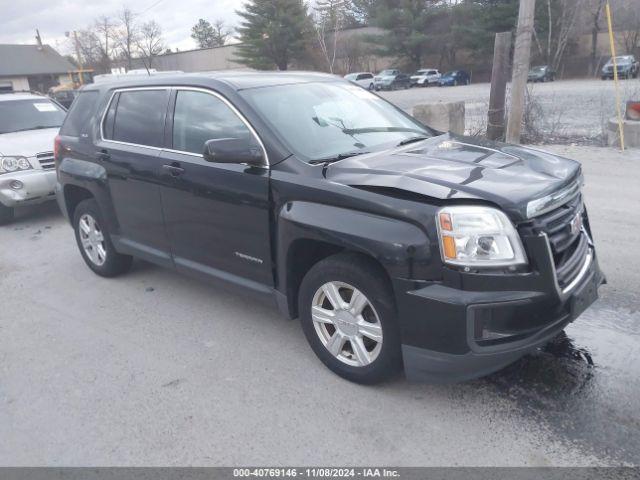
[576,224]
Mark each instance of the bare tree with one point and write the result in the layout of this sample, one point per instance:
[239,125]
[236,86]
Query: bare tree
[221,33]
[105,31]
[597,8]
[87,48]
[631,34]
[562,27]
[330,18]
[127,35]
[150,43]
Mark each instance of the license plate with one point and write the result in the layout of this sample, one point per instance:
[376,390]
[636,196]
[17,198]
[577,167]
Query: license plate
[584,297]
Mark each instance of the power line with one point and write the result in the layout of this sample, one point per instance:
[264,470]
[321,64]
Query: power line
[153,5]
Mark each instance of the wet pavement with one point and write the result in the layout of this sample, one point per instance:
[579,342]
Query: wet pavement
[585,385]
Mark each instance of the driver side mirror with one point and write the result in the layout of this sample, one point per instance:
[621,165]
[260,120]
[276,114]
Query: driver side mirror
[233,150]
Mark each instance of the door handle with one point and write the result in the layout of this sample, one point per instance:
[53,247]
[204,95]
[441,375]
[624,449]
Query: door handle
[174,169]
[104,155]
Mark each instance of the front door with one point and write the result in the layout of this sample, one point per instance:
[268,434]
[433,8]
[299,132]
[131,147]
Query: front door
[216,215]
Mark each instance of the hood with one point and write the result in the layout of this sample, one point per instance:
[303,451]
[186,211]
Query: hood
[450,167]
[28,143]
[385,77]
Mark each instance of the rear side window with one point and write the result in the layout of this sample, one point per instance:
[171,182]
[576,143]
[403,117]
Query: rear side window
[199,117]
[82,109]
[139,117]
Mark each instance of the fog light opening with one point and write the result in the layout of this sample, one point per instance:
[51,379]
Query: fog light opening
[16,185]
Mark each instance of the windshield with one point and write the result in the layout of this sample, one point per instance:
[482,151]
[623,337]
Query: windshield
[450,74]
[622,60]
[325,120]
[539,69]
[387,73]
[422,72]
[20,115]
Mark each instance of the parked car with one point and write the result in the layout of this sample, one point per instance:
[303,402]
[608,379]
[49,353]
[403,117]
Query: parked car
[391,80]
[29,124]
[543,73]
[455,78]
[628,67]
[340,208]
[64,96]
[364,79]
[425,77]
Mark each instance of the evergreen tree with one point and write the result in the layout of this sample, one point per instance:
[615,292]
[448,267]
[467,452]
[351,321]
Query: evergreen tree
[202,32]
[407,22]
[273,33]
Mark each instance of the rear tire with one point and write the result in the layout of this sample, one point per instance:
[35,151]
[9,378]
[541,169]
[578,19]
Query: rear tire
[6,215]
[94,241]
[348,329]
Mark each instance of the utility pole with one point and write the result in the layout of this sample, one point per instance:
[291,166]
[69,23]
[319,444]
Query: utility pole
[499,78]
[521,65]
[77,44]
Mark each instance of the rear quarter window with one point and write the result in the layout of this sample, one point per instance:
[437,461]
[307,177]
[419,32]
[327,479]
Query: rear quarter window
[79,116]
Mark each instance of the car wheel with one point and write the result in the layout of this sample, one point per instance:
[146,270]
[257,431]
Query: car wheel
[95,243]
[6,215]
[348,315]
[370,87]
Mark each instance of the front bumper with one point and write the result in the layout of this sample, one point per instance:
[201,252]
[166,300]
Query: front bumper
[610,75]
[37,186]
[472,325]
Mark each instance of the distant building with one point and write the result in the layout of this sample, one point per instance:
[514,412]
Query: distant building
[32,67]
[199,60]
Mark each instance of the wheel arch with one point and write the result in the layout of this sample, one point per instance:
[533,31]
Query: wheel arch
[308,233]
[73,195]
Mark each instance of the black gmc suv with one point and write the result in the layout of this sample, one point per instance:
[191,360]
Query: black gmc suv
[394,244]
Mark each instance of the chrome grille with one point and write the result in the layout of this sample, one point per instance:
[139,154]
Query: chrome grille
[569,247]
[46,160]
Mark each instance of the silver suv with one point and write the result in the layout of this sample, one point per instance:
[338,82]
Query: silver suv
[29,124]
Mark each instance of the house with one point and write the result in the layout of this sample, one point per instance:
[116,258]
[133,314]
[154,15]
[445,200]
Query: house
[32,67]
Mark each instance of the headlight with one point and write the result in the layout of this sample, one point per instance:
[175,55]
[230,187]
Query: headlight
[14,164]
[478,237]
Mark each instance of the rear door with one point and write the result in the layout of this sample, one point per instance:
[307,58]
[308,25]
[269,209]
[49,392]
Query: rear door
[216,214]
[132,138]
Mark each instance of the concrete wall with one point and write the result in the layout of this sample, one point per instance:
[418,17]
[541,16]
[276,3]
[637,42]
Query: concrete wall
[203,60]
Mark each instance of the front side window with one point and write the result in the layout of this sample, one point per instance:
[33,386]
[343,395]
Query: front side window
[199,117]
[33,114]
[322,120]
[139,117]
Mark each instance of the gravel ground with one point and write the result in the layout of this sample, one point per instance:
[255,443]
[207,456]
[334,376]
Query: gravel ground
[155,368]
[571,110]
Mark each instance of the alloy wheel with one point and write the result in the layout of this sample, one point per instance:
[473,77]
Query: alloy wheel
[92,239]
[347,324]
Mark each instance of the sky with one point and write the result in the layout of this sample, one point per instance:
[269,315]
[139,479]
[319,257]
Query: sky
[20,18]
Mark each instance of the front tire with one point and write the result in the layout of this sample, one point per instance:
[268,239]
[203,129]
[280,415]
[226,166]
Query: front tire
[348,315]
[94,241]
[6,215]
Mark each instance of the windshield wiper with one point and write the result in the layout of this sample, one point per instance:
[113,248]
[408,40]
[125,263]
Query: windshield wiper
[355,131]
[412,140]
[337,158]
